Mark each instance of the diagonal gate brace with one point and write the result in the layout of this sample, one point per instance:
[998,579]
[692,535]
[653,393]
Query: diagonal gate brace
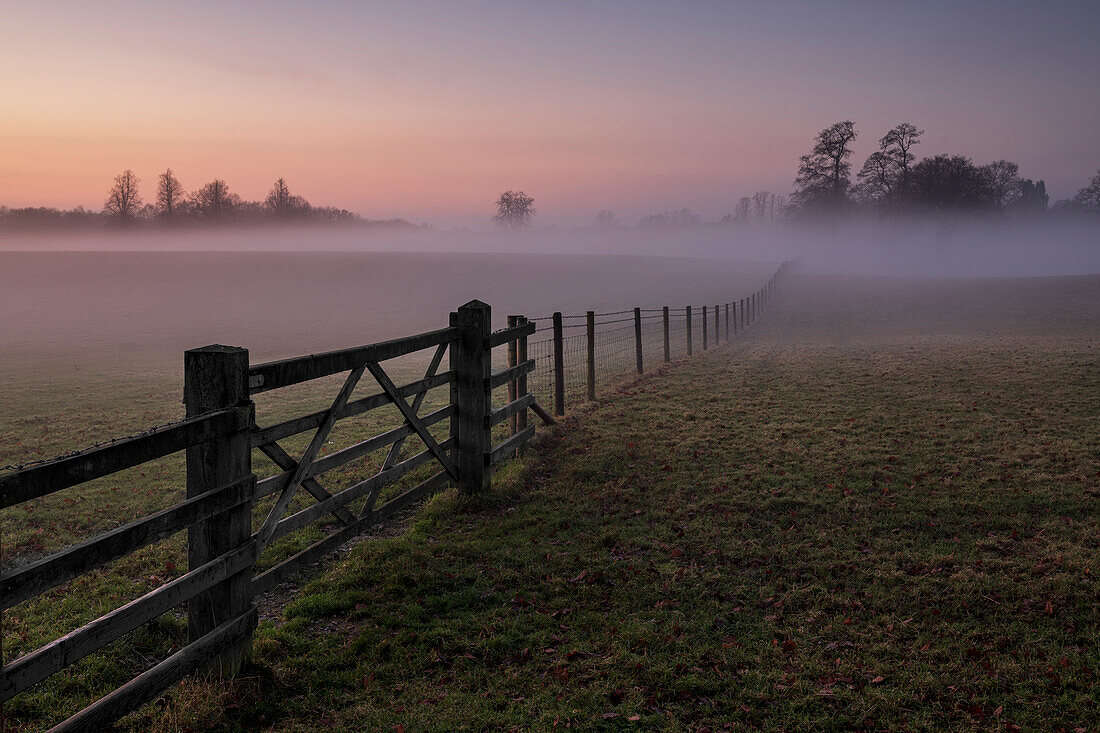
[283,460]
[310,455]
[410,417]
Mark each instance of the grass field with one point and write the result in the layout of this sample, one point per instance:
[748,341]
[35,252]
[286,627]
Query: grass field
[876,510]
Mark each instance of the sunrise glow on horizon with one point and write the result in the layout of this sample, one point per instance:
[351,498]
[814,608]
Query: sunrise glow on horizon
[428,110]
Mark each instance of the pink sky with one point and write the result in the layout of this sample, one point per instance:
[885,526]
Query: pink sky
[429,110]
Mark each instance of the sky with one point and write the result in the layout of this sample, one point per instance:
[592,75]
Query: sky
[428,110]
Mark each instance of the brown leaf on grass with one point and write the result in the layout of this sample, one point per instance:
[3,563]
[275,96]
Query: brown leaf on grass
[878,679]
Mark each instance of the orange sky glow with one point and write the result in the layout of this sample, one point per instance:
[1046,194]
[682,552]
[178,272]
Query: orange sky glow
[428,110]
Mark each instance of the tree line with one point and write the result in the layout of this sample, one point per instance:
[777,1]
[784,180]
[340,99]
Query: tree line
[173,205]
[892,180]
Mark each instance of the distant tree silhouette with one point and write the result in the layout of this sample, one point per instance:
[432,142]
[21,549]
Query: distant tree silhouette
[1088,198]
[515,209]
[214,202]
[744,207]
[283,204]
[123,200]
[1033,196]
[823,175]
[671,219]
[884,177]
[170,195]
[606,220]
[763,206]
[1003,180]
[950,183]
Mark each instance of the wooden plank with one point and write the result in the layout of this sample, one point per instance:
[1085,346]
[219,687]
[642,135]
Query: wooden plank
[664,322]
[515,407]
[688,309]
[504,376]
[32,668]
[150,684]
[521,383]
[412,418]
[283,460]
[590,353]
[543,414]
[301,561]
[216,377]
[501,451]
[350,494]
[704,328]
[559,367]
[503,336]
[310,454]
[286,372]
[17,586]
[278,431]
[395,449]
[46,478]
[271,484]
[513,386]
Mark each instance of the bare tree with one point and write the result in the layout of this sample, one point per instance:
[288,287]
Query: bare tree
[896,145]
[886,172]
[214,201]
[822,180]
[877,179]
[282,203]
[744,207]
[515,209]
[169,195]
[1003,179]
[1088,198]
[761,203]
[606,220]
[123,200]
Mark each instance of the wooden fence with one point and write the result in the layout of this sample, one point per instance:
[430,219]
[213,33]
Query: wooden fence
[219,434]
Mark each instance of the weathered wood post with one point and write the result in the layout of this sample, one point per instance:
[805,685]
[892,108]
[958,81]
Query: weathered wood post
[727,323]
[590,326]
[717,337]
[216,378]
[513,386]
[664,318]
[705,328]
[734,304]
[689,330]
[521,358]
[559,367]
[742,314]
[471,394]
[638,338]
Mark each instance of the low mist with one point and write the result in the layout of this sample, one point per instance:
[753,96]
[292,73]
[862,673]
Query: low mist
[940,247]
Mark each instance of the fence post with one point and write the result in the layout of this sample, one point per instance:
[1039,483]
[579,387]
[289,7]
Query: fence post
[638,338]
[559,367]
[471,360]
[704,328]
[734,318]
[717,336]
[664,316]
[742,314]
[590,325]
[521,358]
[727,323]
[215,378]
[513,386]
[689,329]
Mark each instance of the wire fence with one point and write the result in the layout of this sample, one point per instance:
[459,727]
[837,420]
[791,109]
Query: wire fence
[616,336]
